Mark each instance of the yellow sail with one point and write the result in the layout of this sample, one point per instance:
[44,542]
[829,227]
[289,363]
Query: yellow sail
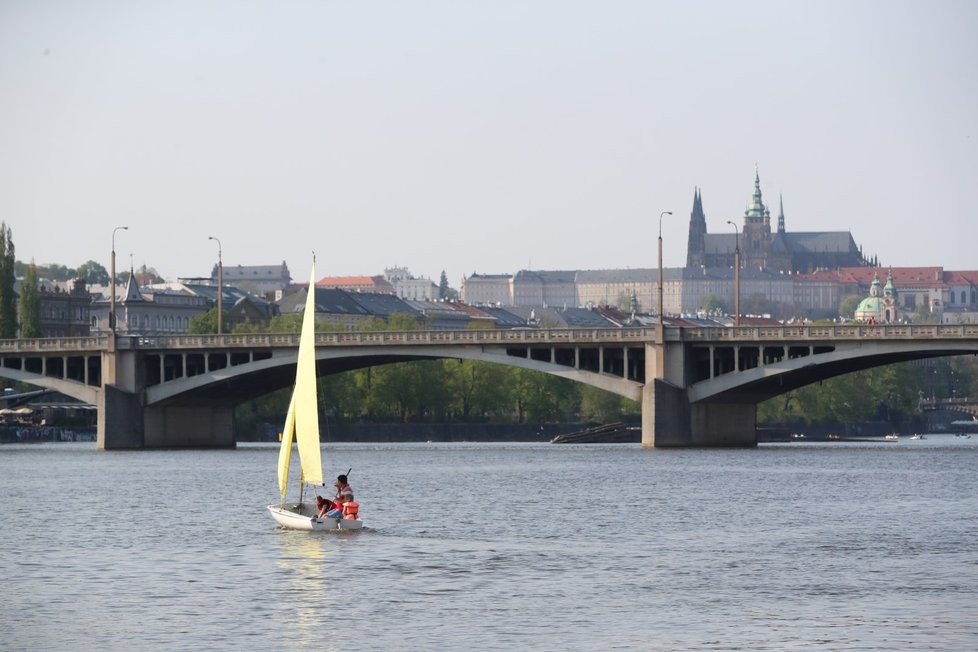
[304,396]
[285,452]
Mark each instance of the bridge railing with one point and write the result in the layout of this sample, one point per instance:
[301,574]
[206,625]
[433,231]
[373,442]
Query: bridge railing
[515,336]
[830,332]
[49,344]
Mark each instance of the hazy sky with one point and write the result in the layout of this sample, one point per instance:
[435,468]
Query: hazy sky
[480,136]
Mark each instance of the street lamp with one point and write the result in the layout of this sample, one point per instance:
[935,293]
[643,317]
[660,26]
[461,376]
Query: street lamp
[112,281]
[661,329]
[220,287]
[736,273]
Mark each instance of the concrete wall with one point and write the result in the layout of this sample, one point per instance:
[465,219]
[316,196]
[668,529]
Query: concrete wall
[120,419]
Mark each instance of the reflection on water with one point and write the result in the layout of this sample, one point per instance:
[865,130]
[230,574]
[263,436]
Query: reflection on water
[497,547]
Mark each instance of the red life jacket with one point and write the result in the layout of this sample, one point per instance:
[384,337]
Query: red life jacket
[351,510]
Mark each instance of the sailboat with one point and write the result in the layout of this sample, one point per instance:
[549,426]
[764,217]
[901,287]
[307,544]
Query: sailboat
[302,424]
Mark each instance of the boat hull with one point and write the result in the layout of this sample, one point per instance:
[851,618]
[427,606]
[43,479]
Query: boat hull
[301,517]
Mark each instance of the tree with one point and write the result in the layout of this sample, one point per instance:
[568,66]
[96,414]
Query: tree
[204,323]
[30,304]
[714,304]
[479,389]
[445,292]
[8,299]
[93,272]
[848,306]
[443,286]
[600,406]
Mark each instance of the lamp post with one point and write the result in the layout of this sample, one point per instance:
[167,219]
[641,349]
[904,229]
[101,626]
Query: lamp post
[736,273]
[660,330]
[112,281]
[220,287]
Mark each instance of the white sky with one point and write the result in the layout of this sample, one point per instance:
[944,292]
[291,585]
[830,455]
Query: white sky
[480,136]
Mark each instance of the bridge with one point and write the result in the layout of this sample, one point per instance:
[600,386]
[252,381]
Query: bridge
[697,386]
[965,406]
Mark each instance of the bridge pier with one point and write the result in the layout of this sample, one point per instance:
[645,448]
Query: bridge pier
[670,420]
[123,422]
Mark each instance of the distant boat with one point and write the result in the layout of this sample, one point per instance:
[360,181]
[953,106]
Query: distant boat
[917,436]
[302,423]
[891,437]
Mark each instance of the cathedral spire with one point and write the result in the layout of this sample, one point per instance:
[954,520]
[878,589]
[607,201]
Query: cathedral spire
[780,213]
[696,248]
[756,208]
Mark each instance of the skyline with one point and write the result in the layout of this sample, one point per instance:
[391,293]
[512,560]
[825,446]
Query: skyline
[478,138]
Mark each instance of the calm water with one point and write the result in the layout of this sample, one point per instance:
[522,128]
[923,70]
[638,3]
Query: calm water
[497,547]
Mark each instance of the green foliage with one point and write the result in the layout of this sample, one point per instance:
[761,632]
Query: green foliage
[399,321]
[479,389]
[93,272]
[848,306]
[53,272]
[445,291]
[889,393]
[30,304]
[600,406]
[204,323]
[714,304]
[8,300]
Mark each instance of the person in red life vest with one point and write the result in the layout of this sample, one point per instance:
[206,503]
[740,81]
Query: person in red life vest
[351,510]
[323,505]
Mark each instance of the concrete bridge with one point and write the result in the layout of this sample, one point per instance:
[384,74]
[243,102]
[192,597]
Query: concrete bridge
[697,386]
[964,406]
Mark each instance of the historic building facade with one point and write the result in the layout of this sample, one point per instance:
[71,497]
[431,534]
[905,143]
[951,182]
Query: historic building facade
[760,247]
[880,307]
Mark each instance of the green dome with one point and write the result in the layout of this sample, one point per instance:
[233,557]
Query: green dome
[871,306]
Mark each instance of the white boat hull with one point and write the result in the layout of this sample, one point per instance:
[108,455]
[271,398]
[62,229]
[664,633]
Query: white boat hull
[302,517]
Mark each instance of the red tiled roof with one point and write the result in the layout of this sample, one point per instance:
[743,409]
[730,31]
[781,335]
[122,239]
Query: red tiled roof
[471,311]
[337,281]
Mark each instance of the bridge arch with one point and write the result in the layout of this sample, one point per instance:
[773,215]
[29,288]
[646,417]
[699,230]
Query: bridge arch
[76,390]
[257,378]
[765,382]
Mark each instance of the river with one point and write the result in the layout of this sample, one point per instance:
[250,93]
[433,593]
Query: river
[796,546]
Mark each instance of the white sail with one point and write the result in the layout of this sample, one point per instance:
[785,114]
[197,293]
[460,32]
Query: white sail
[302,419]
[304,396]
[285,451]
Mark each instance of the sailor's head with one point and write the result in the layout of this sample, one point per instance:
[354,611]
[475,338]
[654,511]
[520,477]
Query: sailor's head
[341,479]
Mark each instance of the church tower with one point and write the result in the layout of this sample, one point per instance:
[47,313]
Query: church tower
[757,229]
[780,214]
[696,249]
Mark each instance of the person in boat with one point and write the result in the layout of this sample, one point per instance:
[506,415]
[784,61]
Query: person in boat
[344,494]
[323,505]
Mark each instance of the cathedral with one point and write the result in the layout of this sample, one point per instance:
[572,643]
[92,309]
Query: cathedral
[760,247]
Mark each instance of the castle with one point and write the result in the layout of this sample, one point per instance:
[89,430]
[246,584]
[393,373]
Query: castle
[802,252]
